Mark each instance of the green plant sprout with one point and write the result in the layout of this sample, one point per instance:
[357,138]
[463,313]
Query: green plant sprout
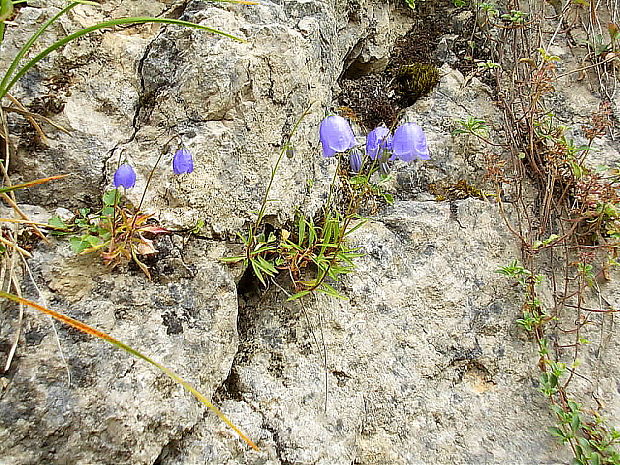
[117,232]
[471,125]
[514,16]
[487,65]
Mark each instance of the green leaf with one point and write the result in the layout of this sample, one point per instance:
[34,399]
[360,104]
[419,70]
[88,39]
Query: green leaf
[6,10]
[357,180]
[78,245]
[585,445]
[557,432]
[107,212]
[5,88]
[301,230]
[91,240]
[257,272]
[356,227]
[236,259]
[104,234]
[111,197]
[327,289]
[298,295]
[262,249]
[557,410]
[57,222]
[579,451]
[266,266]
[389,198]
[311,233]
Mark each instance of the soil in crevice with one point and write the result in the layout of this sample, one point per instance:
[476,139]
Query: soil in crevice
[375,98]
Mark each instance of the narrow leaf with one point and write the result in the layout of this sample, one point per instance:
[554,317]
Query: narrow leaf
[298,295]
[327,289]
[237,259]
[257,272]
[301,232]
[31,183]
[101,335]
[356,227]
[4,89]
[26,47]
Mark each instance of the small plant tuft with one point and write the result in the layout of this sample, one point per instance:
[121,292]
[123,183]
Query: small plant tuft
[416,80]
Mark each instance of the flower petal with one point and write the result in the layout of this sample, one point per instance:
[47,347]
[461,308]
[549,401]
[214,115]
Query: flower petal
[336,135]
[377,141]
[125,176]
[410,143]
[182,162]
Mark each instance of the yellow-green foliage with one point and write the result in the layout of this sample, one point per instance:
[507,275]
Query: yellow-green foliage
[417,80]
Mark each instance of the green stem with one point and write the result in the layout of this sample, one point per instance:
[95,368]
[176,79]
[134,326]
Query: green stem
[274,170]
[148,182]
[331,186]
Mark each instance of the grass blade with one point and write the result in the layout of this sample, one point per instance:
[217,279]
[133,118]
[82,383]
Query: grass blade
[22,51]
[101,335]
[31,183]
[5,88]
[356,227]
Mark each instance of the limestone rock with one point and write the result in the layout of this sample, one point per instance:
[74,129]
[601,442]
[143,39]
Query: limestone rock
[424,363]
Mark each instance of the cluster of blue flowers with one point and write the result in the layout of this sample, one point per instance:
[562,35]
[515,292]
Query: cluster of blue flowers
[182,162]
[408,142]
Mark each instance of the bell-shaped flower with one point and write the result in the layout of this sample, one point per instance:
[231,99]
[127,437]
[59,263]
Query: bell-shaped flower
[378,141]
[125,176]
[409,143]
[182,162]
[355,160]
[336,135]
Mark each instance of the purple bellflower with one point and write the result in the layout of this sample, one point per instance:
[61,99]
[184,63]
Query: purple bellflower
[378,141]
[125,176]
[410,143]
[336,135]
[182,162]
[355,160]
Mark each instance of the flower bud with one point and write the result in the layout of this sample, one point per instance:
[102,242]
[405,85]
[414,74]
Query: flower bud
[410,143]
[336,135]
[125,176]
[182,162]
[355,160]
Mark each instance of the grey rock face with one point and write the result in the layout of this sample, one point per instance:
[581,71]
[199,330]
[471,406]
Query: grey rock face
[114,409]
[423,363]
